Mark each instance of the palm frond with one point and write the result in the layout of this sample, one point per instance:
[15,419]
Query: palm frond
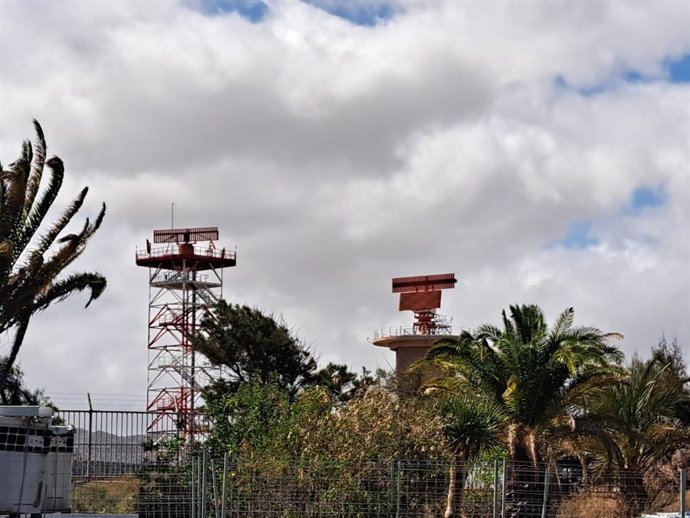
[13,199]
[60,290]
[37,165]
[47,239]
[39,211]
[472,426]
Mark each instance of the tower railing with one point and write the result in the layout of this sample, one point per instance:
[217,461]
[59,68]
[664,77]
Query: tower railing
[172,250]
[412,331]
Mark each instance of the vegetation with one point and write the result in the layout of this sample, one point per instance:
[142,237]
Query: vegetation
[271,380]
[471,426]
[257,349]
[542,394]
[639,413]
[31,263]
[535,376]
[107,496]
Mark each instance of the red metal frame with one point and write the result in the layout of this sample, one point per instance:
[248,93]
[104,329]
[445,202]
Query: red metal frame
[185,283]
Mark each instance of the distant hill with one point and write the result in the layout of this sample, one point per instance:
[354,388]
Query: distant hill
[110,454]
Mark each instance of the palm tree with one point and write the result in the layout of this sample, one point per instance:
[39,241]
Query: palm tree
[471,426]
[640,413]
[31,263]
[534,374]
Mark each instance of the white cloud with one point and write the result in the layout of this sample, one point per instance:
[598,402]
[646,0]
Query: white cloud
[337,156]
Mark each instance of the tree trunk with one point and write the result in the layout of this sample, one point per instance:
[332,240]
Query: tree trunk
[6,368]
[525,486]
[456,487]
[633,491]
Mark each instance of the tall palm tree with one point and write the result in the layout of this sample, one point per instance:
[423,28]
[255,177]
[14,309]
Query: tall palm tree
[31,263]
[533,373]
[471,426]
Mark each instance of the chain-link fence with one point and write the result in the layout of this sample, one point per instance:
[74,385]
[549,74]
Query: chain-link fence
[207,486]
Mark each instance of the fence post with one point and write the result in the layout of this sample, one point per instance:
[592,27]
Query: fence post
[398,484]
[547,480]
[88,448]
[683,491]
[193,499]
[225,471]
[503,488]
[391,489]
[495,501]
[202,514]
[215,489]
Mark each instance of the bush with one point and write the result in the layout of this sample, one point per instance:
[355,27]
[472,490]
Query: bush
[592,504]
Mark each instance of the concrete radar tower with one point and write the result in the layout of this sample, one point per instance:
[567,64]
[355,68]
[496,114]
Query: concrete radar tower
[185,283]
[422,296]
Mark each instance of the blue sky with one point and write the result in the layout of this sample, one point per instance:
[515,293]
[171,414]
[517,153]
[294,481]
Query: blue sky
[577,236]
[253,10]
[256,10]
[679,69]
[676,70]
[579,233]
[646,197]
[359,15]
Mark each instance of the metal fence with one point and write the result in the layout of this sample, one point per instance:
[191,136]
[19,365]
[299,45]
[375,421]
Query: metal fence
[117,469]
[111,443]
[213,487]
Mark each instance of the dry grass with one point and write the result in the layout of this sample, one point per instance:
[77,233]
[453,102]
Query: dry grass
[106,496]
[589,504]
[673,507]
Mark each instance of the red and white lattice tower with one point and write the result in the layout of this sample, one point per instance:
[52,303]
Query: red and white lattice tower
[422,296]
[185,282]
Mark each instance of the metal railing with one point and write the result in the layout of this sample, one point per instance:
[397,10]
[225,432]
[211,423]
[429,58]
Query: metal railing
[411,331]
[172,250]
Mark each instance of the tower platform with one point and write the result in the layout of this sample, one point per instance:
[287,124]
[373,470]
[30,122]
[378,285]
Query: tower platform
[197,258]
[408,345]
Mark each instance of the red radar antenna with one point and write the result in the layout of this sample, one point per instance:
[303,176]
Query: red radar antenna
[421,295]
[185,283]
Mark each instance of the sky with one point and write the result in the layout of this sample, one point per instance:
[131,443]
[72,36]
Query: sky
[538,149]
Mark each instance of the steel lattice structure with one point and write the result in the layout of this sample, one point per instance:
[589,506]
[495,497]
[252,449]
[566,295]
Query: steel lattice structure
[185,283]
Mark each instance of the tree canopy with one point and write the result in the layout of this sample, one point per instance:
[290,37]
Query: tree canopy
[644,411]
[257,349]
[531,372]
[254,348]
